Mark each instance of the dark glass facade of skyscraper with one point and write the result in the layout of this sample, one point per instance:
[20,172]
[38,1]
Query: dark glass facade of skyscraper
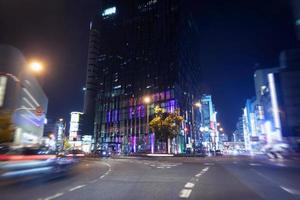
[140,48]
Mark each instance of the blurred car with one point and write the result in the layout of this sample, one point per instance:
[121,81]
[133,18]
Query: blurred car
[104,153]
[31,161]
[200,152]
[76,153]
[188,151]
[218,153]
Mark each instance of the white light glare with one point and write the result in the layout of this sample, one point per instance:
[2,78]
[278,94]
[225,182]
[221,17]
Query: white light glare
[109,11]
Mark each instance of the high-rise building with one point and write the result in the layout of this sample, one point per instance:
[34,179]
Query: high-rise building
[296,9]
[139,48]
[208,127]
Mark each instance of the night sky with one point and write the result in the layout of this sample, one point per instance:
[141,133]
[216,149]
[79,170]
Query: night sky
[235,38]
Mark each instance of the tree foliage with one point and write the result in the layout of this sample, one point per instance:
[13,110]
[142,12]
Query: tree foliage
[165,125]
[6,128]
[67,144]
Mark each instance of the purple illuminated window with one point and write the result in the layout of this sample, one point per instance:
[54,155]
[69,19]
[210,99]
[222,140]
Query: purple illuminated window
[116,115]
[168,95]
[130,112]
[108,116]
[156,97]
[139,111]
[142,111]
[162,96]
[171,105]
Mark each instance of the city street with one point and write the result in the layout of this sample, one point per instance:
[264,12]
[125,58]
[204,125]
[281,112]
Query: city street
[166,178]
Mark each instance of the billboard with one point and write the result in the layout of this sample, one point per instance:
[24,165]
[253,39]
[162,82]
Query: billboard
[74,125]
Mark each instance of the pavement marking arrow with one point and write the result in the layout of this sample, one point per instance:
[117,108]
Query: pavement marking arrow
[185,193]
[189,185]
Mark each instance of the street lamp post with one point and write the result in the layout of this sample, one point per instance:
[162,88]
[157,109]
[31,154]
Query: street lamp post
[147,101]
[194,105]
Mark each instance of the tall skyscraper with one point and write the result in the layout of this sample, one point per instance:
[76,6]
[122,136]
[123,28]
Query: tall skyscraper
[296,9]
[139,48]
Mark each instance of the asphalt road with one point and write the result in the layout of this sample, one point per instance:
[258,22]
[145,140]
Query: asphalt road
[165,178]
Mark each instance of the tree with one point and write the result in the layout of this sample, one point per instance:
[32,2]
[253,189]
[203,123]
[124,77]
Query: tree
[165,125]
[67,144]
[6,128]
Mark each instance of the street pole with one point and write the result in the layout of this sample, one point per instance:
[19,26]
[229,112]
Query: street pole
[193,131]
[147,125]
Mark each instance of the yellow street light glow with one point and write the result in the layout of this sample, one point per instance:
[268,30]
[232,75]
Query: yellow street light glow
[36,66]
[147,99]
[198,104]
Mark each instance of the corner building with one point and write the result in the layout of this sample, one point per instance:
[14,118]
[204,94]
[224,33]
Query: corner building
[140,48]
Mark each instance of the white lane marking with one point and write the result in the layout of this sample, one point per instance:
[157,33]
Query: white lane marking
[255,164]
[152,165]
[168,167]
[160,167]
[197,175]
[185,193]
[76,188]
[205,169]
[102,176]
[291,191]
[189,185]
[108,165]
[54,196]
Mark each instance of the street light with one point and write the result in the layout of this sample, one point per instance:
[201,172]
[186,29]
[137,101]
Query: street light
[198,104]
[147,100]
[36,66]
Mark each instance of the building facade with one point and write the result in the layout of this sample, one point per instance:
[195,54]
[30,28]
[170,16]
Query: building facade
[137,49]
[22,95]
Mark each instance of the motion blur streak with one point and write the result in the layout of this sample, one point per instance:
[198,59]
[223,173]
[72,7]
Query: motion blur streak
[26,172]
[25,157]
[30,164]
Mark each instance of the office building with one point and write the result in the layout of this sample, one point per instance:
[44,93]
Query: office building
[296,11]
[139,48]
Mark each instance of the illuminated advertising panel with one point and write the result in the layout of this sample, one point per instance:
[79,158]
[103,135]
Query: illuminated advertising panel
[3,81]
[74,125]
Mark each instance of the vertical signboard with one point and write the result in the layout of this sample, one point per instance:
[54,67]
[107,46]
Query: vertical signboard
[3,82]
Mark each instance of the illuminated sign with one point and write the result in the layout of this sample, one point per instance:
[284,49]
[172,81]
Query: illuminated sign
[75,116]
[275,108]
[109,11]
[74,125]
[3,81]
